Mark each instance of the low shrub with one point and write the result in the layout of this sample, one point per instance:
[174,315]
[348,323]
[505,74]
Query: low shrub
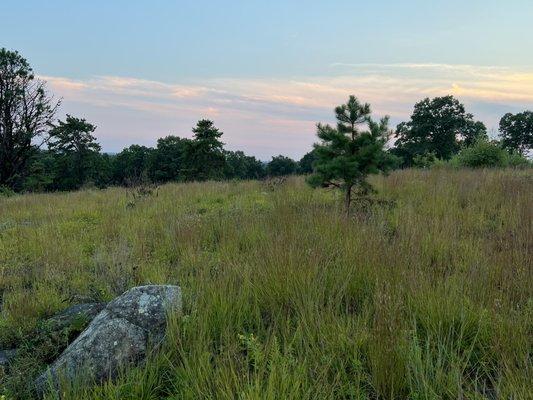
[482,154]
[6,192]
[426,160]
[516,160]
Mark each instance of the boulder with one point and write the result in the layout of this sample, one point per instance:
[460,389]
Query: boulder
[118,336]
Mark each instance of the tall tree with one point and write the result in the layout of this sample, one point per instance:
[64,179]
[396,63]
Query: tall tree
[40,172]
[281,165]
[438,126]
[77,150]
[26,114]
[346,155]
[131,164]
[74,135]
[473,132]
[205,153]
[305,165]
[517,131]
[241,166]
[167,161]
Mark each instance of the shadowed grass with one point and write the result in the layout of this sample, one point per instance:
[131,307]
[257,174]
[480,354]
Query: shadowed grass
[284,299]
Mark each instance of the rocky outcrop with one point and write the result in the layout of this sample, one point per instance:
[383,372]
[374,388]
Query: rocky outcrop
[119,335]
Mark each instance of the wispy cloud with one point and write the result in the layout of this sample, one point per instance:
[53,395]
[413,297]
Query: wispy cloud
[270,116]
[436,66]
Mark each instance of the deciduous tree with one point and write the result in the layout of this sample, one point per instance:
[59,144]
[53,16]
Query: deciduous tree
[281,165]
[131,164]
[517,131]
[166,161]
[241,166]
[305,165]
[438,125]
[26,114]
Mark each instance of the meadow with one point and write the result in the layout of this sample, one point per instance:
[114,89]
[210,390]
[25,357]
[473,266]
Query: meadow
[425,295]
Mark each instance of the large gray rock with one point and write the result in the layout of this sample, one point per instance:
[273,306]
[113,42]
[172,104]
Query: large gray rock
[119,335]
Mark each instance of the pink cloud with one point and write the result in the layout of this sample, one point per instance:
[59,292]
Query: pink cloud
[272,116]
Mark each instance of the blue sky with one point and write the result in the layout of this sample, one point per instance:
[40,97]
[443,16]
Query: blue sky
[266,72]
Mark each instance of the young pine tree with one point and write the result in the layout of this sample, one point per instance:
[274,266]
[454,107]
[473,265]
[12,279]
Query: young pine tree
[347,155]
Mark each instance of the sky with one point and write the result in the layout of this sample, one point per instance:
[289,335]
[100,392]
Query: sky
[267,71]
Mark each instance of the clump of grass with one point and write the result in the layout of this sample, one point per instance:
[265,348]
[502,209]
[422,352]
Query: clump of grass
[424,295]
[450,348]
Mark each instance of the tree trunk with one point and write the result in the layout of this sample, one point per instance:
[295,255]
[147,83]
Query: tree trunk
[348,200]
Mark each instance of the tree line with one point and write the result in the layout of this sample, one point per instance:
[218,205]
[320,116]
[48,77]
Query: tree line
[40,153]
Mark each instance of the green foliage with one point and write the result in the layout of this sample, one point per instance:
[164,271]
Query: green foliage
[166,162]
[485,154]
[281,166]
[131,164]
[26,112]
[346,156]
[517,160]
[437,130]
[76,152]
[204,155]
[37,349]
[425,160]
[450,336]
[178,159]
[472,131]
[102,174]
[241,166]
[517,131]
[482,154]
[41,172]
[292,301]
[73,160]
[74,136]
[439,126]
[6,192]
[305,165]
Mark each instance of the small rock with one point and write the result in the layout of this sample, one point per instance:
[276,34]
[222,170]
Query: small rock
[119,335]
[6,356]
[73,313]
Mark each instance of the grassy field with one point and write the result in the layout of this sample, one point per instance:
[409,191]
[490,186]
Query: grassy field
[426,297]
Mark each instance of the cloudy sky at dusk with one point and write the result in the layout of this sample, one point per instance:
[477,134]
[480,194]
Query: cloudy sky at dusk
[267,72]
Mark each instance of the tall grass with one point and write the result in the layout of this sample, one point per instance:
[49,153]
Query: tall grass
[430,298]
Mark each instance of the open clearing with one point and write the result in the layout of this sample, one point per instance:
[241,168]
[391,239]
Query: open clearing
[426,296]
